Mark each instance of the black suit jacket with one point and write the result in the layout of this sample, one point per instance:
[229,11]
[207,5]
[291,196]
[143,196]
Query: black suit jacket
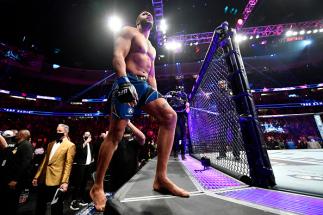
[20,163]
[81,153]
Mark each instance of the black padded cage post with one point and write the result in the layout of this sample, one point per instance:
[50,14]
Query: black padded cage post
[260,168]
[221,98]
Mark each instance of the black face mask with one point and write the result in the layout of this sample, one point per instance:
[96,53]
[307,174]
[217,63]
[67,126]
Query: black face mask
[59,136]
[85,138]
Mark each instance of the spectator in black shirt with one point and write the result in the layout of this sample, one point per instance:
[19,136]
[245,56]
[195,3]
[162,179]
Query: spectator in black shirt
[18,173]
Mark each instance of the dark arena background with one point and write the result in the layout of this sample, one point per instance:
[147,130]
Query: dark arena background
[245,78]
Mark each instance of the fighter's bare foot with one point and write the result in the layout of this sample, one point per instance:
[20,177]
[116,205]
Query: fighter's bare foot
[98,197]
[164,184]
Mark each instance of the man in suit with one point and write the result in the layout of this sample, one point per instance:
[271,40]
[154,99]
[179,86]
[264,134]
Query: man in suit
[54,172]
[17,173]
[82,171]
[179,102]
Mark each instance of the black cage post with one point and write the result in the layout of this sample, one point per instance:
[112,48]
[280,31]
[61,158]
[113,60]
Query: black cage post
[261,172]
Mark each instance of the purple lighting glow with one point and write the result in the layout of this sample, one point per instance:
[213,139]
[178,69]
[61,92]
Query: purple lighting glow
[294,203]
[308,86]
[159,15]
[240,22]
[256,32]
[247,11]
[210,179]
[264,42]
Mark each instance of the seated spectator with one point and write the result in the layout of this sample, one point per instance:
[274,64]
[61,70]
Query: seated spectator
[302,143]
[313,144]
[281,143]
[290,144]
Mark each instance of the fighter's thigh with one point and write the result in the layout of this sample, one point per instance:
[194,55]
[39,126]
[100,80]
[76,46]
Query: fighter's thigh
[159,108]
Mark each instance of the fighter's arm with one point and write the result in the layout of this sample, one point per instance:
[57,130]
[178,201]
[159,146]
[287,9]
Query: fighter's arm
[138,135]
[121,50]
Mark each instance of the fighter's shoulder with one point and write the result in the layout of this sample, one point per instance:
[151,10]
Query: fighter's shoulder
[128,31]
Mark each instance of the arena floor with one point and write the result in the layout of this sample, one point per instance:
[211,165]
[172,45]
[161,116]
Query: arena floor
[213,191]
[222,195]
[298,170]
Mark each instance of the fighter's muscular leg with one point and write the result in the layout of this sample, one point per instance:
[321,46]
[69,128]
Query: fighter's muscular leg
[108,147]
[167,117]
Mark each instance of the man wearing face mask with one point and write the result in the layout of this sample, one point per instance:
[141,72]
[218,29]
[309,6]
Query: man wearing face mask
[54,172]
[81,171]
[18,171]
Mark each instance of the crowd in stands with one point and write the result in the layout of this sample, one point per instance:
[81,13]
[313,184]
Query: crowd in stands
[291,133]
[41,127]
[51,106]
[284,97]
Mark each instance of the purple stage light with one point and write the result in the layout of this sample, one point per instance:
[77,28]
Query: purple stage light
[210,179]
[309,86]
[264,42]
[240,22]
[299,204]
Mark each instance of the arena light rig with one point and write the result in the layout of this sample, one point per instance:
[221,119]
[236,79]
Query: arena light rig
[255,32]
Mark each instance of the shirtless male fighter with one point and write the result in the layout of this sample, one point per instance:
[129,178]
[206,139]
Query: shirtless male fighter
[135,87]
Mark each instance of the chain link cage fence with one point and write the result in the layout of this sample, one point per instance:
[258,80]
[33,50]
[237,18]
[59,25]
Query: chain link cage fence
[223,122]
[214,122]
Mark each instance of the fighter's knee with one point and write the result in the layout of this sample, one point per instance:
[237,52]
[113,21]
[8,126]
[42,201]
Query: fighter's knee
[116,140]
[116,137]
[169,117]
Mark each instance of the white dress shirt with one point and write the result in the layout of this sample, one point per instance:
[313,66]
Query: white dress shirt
[88,156]
[54,149]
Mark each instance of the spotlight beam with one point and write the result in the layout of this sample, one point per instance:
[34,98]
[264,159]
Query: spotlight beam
[114,24]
